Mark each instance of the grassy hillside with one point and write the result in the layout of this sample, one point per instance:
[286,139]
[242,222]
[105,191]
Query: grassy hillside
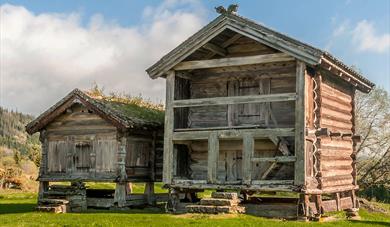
[19,152]
[17,209]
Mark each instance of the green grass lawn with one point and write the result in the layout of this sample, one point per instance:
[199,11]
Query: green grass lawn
[17,209]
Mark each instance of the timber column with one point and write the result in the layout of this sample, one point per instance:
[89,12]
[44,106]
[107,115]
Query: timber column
[300,128]
[168,129]
[120,189]
[43,185]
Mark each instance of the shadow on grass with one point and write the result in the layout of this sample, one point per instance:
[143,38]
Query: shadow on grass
[370,223]
[15,208]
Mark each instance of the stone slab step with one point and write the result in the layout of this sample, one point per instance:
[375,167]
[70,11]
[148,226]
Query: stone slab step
[53,201]
[52,208]
[218,202]
[208,209]
[224,195]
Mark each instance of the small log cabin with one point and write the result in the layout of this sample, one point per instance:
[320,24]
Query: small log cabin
[95,139]
[252,110]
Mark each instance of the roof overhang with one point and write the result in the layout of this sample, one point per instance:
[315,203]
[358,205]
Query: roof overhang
[75,96]
[299,50]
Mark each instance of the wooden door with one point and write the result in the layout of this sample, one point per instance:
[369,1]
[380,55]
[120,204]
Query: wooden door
[251,114]
[229,166]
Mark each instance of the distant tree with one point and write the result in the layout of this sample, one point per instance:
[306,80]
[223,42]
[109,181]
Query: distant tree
[17,157]
[34,154]
[373,153]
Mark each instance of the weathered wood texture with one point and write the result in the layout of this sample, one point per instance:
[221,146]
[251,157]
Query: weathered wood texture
[247,80]
[336,151]
[336,105]
[80,142]
[81,145]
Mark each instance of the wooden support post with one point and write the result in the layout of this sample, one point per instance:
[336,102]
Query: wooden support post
[168,127]
[304,207]
[247,153]
[120,195]
[318,201]
[149,192]
[355,201]
[43,187]
[338,201]
[300,164]
[212,159]
[121,163]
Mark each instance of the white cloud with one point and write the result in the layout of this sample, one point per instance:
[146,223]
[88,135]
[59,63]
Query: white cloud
[45,56]
[365,36]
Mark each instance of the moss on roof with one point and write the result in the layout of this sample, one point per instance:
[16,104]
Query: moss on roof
[136,111]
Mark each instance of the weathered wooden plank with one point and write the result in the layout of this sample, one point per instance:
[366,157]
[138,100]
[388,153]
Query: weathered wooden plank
[233,134]
[226,62]
[235,100]
[280,159]
[247,150]
[300,116]
[215,49]
[168,128]
[212,159]
[265,188]
[272,182]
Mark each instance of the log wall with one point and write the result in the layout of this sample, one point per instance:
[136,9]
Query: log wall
[80,142]
[83,145]
[336,150]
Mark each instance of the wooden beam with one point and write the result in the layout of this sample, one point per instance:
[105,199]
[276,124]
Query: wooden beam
[227,43]
[232,134]
[252,187]
[300,164]
[226,62]
[276,159]
[231,40]
[235,100]
[212,158]
[215,49]
[168,129]
[248,147]
[271,182]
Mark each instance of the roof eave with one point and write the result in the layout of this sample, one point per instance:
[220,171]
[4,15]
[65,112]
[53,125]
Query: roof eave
[348,74]
[49,115]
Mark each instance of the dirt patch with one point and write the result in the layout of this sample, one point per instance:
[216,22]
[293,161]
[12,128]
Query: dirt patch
[371,207]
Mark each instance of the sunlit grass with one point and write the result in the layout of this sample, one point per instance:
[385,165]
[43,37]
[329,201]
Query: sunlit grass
[17,209]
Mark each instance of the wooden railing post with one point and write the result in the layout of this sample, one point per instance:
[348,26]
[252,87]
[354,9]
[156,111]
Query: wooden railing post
[168,128]
[212,159]
[248,147]
[300,164]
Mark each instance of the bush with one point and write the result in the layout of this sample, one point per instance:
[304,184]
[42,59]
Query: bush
[377,192]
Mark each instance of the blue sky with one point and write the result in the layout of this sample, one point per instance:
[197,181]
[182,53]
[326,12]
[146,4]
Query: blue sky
[356,31]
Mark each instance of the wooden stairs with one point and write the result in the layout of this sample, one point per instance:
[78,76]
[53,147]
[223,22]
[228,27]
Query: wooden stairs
[220,202]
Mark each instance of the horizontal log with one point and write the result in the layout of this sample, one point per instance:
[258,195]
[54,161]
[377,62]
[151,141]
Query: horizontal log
[265,188]
[233,134]
[272,182]
[234,100]
[234,145]
[226,62]
[275,159]
[331,189]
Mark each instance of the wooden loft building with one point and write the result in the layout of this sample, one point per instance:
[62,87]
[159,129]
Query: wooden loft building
[95,139]
[253,110]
